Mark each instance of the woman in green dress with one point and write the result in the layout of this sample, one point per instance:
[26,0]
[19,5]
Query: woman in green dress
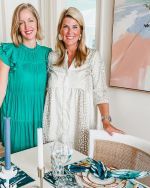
[23,76]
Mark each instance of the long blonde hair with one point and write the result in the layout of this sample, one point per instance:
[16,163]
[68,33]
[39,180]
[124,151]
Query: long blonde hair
[82,51]
[15,33]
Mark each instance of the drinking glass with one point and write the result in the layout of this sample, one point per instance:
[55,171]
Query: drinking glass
[65,139]
[59,157]
[61,153]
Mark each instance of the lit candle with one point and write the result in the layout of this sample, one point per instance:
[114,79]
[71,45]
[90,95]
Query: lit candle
[40,148]
[7,143]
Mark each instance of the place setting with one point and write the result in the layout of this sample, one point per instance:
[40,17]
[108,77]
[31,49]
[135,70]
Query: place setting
[10,175]
[94,174]
[61,154]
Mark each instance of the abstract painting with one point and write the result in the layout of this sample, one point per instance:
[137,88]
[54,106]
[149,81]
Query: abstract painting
[130,63]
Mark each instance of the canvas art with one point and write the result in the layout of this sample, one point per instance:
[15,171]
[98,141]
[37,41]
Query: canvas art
[130,63]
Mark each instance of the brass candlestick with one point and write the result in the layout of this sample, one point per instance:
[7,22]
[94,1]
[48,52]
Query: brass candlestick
[41,175]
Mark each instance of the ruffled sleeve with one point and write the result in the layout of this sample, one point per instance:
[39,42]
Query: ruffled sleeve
[47,51]
[52,58]
[7,55]
[99,79]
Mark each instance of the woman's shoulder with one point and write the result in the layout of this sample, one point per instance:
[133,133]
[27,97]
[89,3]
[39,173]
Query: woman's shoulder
[94,56]
[7,49]
[7,46]
[7,53]
[45,48]
[54,55]
[92,51]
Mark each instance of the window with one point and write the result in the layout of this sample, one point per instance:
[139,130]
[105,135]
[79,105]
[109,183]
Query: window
[88,9]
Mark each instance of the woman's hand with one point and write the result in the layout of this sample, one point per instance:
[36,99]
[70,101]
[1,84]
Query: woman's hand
[107,125]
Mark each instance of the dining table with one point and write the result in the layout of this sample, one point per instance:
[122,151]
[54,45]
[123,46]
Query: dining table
[27,161]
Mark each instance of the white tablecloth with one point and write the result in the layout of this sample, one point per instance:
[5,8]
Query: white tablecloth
[27,161]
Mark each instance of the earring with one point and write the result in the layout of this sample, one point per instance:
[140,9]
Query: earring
[59,37]
[80,37]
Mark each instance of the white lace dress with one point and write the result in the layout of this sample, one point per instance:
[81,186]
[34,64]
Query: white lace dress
[72,97]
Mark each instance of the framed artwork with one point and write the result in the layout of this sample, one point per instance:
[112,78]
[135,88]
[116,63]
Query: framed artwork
[130,63]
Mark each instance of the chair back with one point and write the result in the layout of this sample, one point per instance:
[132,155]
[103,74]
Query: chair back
[120,151]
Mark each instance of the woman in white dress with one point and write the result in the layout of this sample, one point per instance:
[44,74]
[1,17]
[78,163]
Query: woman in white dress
[76,86]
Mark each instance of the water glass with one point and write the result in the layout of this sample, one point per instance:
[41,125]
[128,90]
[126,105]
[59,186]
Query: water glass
[60,154]
[57,157]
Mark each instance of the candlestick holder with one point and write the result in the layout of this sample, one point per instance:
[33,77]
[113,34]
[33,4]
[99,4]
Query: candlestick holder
[41,175]
[7,175]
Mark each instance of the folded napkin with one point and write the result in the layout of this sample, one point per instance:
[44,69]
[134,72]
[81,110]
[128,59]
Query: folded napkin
[98,169]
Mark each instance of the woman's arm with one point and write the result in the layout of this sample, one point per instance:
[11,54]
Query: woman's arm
[106,120]
[4,70]
[100,92]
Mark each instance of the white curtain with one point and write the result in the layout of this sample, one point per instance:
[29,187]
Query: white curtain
[3,30]
[50,11]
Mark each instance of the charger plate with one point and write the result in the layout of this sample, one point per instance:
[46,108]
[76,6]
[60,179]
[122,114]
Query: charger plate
[88,180]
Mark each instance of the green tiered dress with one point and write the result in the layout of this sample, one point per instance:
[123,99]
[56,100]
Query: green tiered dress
[24,100]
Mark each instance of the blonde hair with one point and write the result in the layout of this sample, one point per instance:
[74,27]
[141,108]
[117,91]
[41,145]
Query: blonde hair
[81,52]
[15,33]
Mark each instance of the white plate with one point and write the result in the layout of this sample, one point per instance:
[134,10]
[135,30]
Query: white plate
[88,180]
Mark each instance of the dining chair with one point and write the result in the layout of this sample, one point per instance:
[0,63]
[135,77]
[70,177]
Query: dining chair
[1,150]
[120,151]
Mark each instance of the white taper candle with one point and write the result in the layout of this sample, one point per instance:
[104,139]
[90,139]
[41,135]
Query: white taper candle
[40,148]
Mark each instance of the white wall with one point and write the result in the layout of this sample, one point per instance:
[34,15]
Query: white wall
[130,109]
